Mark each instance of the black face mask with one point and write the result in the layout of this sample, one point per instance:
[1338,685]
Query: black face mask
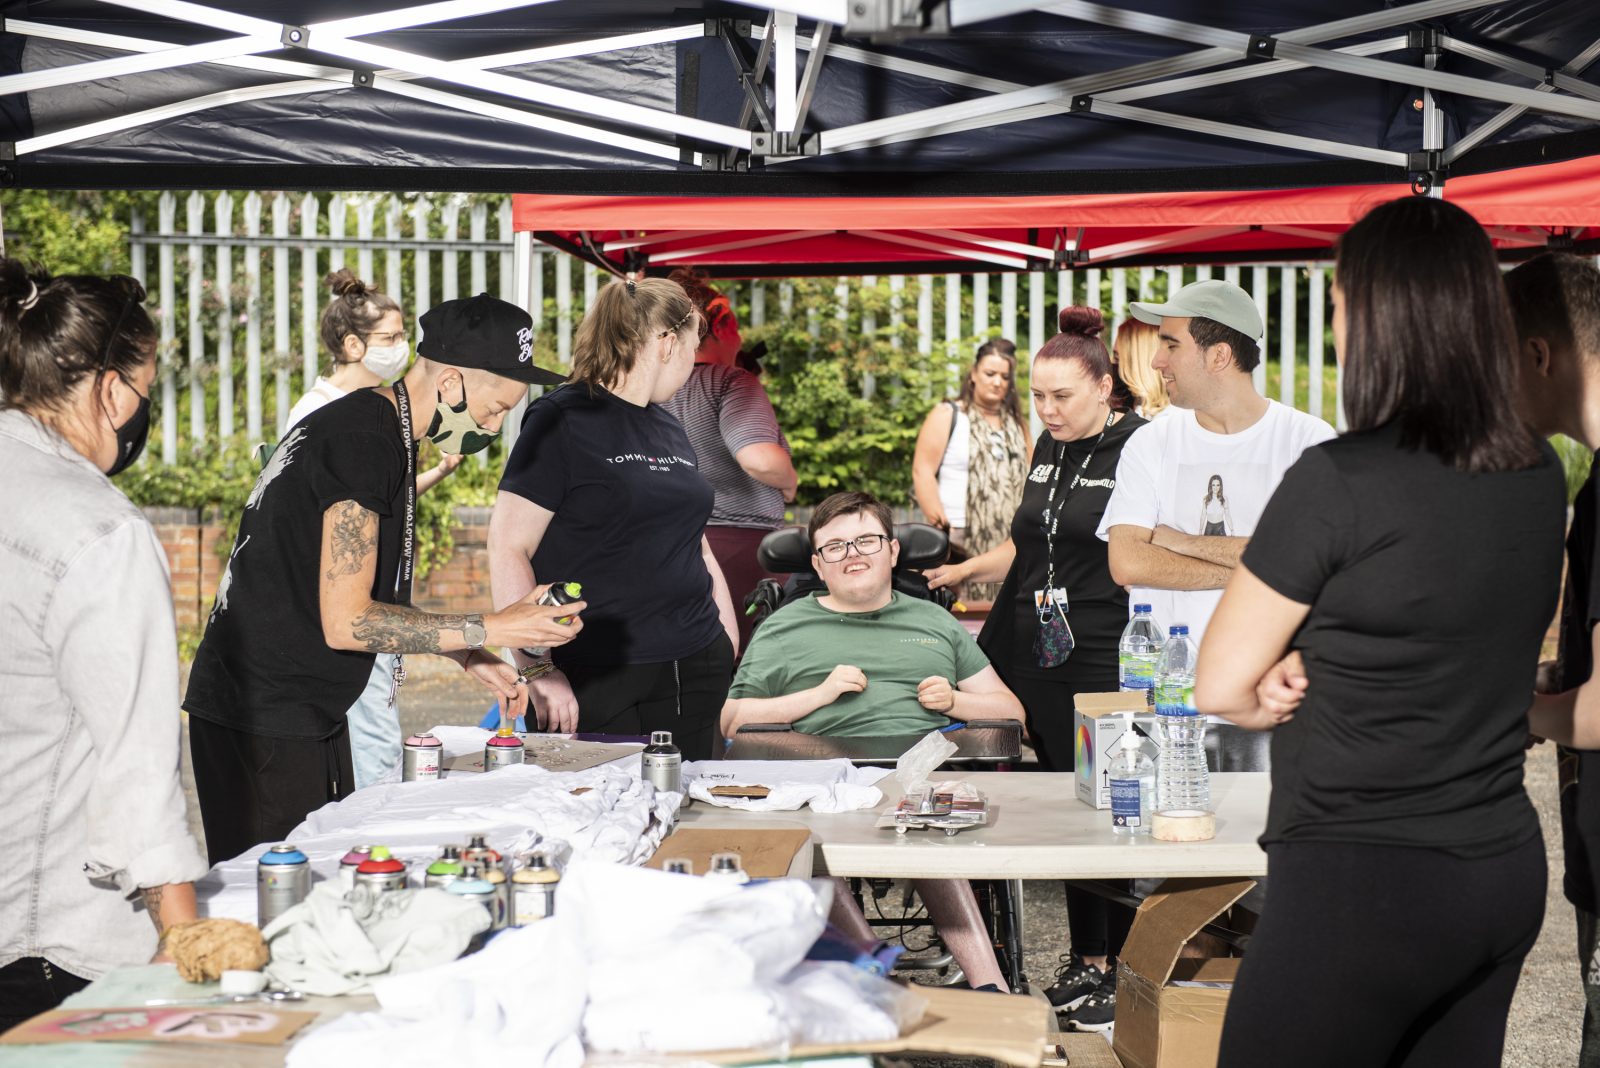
[132,435]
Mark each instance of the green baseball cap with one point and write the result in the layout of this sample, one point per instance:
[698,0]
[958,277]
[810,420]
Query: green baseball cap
[1212,298]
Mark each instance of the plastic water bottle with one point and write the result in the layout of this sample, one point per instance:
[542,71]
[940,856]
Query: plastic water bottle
[1133,784]
[1138,653]
[1182,781]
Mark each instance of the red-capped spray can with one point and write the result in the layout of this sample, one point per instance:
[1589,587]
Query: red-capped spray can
[424,756]
[381,872]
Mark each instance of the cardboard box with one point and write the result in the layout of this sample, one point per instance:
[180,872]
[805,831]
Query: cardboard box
[1075,1050]
[1006,1029]
[1170,1009]
[1097,724]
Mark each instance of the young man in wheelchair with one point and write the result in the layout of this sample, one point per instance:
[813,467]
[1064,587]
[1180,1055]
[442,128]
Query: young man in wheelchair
[865,659]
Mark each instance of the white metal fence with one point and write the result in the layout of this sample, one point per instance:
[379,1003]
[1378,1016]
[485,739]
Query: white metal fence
[231,274]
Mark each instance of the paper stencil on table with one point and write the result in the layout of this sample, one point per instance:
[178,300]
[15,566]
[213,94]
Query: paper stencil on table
[255,1027]
[553,754]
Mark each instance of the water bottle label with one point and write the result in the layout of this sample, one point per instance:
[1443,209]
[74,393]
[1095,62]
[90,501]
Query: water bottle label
[1175,700]
[1125,803]
[1138,672]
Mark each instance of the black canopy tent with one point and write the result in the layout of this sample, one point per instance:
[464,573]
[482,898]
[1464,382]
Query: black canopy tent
[790,97]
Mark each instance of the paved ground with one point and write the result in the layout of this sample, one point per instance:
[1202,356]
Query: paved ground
[1545,1017]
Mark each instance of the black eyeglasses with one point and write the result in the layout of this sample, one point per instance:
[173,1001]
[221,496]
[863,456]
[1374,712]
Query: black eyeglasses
[865,545]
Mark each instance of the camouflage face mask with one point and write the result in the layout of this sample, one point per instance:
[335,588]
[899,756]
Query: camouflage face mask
[455,431]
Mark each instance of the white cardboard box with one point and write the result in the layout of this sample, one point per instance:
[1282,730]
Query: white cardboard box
[1097,724]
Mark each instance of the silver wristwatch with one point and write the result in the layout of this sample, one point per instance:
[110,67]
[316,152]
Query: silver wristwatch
[474,632]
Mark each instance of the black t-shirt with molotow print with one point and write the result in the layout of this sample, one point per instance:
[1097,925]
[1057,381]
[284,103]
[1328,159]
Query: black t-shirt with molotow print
[263,666]
[630,508]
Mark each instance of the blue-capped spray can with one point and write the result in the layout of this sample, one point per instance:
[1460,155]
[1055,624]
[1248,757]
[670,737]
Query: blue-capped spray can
[283,879]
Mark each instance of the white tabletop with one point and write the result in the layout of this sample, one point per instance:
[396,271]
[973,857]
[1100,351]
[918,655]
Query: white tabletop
[1037,829]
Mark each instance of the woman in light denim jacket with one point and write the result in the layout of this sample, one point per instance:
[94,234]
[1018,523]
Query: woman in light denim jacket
[94,829]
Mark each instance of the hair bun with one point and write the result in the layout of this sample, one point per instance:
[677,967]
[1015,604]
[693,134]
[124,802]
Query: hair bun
[344,283]
[19,287]
[1081,321]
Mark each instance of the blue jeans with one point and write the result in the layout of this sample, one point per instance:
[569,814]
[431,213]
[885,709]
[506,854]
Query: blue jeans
[374,720]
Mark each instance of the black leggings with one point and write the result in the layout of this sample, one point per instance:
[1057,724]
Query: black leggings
[1384,956]
[1096,926]
[684,696]
[254,789]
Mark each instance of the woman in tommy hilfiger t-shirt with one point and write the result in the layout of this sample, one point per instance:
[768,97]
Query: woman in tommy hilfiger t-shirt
[604,489]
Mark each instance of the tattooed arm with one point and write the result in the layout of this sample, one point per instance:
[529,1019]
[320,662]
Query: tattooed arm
[352,620]
[167,906]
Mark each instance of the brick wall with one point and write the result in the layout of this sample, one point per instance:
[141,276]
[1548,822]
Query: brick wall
[462,583]
[196,562]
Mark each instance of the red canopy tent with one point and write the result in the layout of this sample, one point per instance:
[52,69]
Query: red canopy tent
[1525,210]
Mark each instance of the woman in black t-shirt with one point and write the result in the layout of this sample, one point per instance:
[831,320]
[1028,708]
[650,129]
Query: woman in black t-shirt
[603,489]
[1408,570]
[1053,546]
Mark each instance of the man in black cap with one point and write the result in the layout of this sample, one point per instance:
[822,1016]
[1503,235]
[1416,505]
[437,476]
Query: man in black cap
[319,581]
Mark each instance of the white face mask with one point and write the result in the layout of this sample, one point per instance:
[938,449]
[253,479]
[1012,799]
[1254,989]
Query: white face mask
[387,361]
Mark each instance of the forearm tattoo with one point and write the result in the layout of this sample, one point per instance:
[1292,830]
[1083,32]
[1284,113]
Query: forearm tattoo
[394,628]
[152,905]
[353,539]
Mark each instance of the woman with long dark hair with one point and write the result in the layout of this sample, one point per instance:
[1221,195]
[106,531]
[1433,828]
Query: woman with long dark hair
[972,455]
[1385,623]
[1214,509]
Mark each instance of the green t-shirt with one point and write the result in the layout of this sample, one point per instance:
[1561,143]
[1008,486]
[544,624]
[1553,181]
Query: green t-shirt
[896,647]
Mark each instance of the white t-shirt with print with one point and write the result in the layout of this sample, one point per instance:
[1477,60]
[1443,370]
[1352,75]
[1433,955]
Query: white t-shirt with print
[1176,473]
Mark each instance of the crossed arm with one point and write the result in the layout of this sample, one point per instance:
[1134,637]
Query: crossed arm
[1571,718]
[1166,559]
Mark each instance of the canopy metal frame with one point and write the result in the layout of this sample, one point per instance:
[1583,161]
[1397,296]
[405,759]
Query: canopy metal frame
[337,56]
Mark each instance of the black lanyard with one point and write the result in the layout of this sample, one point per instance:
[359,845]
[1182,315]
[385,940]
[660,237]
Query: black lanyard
[1051,521]
[402,582]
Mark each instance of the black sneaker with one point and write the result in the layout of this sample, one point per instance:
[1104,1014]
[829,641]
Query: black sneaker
[1075,981]
[1099,1010]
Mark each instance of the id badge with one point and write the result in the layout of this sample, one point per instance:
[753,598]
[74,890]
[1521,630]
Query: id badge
[1044,600]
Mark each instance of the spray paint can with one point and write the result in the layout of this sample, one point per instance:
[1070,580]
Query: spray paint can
[381,872]
[678,866]
[424,756]
[446,870]
[283,879]
[533,890]
[348,865]
[559,593]
[728,866]
[663,763]
[503,750]
[474,886]
[479,853]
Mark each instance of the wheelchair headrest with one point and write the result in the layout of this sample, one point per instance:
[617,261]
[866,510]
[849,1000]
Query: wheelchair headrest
[786,551]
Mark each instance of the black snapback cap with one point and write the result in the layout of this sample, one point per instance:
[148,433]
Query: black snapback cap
[485,333]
